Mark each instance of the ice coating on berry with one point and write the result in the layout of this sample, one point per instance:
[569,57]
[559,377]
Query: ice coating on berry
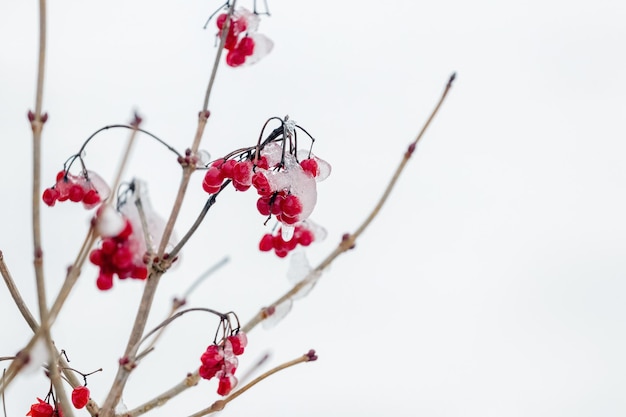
[323,167]
[262,47]
[99,184]
[286,232]
[204,157]
[155,223]
[109,222]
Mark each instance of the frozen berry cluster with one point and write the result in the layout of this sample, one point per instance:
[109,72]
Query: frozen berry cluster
[243,44]
[286,183]
[87,188]
[221,361]
[302,236]
[119,255]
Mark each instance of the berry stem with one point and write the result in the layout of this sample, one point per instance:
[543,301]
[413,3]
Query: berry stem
[169,320]
[209,203]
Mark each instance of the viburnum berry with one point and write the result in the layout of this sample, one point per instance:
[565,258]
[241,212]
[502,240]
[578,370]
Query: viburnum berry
[239,342]
[40,409]
[50,196]
[246,46]
[80,396]
[261,184]
[242,175]
[226,384]
[213,180]
[266,244]
[291,206]
[310,166]
[235,58]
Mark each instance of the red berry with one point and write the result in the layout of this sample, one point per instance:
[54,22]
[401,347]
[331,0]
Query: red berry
[262,185]
[227,168]
[267,243]
[91,197]
[263,206]
[50,196]
[310,166]
[212,180]
[60,175]
[227,383]
[76,193]
[276,204]
[80,397]
[291,206]
[287,219]
[104,281]
[235,58]
[140,272]
[238,342]
[242,175]
[122,258]
[231,41]
[262,163]
[221,19]
[108,246]
[304,236]
[214,176]
[239,25]
[96,257]
[246,46]
[41,409]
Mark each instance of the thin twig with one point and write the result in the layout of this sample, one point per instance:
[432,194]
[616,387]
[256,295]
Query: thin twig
[168,320]
[4,404]
[17,297]
[37,126]
[220,404]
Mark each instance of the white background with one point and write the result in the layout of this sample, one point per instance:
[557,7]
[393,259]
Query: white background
[492,284]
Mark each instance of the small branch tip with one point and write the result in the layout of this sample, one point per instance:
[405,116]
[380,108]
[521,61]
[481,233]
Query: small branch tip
[452,78]
[136,120]
[311,356]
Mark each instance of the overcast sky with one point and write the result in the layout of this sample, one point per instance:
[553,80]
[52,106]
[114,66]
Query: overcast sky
[493,282]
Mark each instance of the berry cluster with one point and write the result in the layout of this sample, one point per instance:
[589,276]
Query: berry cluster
[301,236]
[239,172]
[87,188]
[243,44]
[118,255]
[221,361]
